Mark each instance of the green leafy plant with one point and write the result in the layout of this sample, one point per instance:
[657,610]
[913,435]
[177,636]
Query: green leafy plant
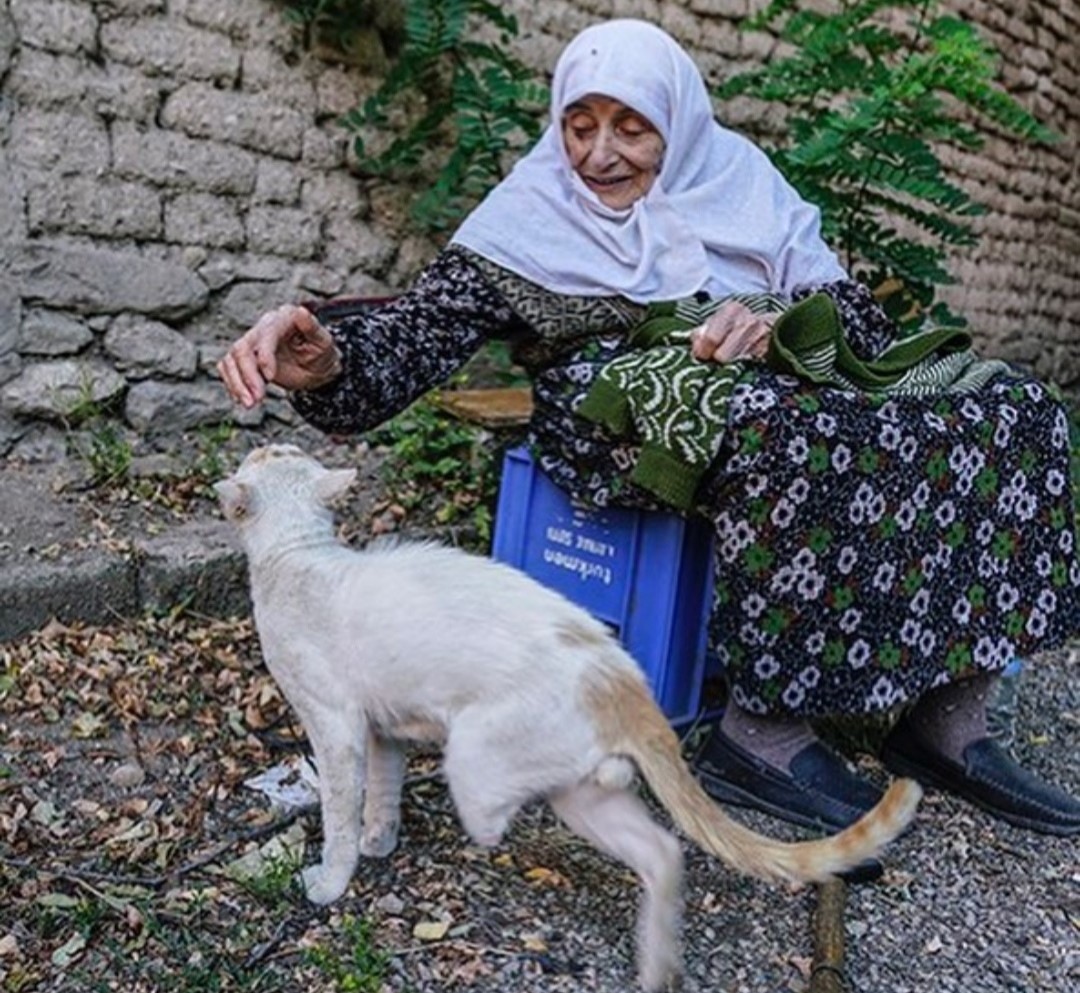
[450,89]
[98,439]
[210,462]
[361,968]
[872,91]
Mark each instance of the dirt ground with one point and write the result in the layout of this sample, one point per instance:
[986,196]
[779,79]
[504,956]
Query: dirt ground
[135,857]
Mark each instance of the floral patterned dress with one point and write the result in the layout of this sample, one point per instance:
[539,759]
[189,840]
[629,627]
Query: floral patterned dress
[867,548]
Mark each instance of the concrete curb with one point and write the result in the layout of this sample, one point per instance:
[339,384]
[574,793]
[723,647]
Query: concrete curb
[196,565]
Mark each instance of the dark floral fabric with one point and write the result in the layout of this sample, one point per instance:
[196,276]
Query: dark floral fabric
[866,549]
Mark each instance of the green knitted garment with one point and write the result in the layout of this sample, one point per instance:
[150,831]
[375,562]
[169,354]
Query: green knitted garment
[677,406]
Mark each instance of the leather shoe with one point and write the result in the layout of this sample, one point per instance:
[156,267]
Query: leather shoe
[988,777]
[818,791]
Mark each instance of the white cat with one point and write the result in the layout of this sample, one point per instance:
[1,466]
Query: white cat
[529,695]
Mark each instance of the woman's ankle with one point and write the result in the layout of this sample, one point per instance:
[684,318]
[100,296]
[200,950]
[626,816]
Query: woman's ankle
[949,718]
[774,739]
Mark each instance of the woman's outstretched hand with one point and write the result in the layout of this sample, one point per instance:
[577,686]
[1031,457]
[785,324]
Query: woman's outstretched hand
[287,346]
[732,332]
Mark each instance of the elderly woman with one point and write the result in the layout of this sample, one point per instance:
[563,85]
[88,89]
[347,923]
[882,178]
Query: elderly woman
[874,548]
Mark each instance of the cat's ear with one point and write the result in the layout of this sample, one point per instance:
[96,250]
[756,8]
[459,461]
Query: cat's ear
[235,499]
[332,483]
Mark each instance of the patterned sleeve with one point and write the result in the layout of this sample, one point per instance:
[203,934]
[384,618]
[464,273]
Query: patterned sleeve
[868,329]
[394,354]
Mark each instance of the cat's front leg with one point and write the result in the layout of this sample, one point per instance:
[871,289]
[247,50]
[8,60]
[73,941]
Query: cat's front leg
[382,795]
[338,743]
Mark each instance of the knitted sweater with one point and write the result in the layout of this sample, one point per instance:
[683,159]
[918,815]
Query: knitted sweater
[676,406]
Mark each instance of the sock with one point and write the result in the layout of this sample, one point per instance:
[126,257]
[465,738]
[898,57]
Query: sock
[950,718]
[775,740]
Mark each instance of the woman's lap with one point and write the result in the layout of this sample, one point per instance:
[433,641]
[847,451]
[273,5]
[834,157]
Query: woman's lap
[867,550]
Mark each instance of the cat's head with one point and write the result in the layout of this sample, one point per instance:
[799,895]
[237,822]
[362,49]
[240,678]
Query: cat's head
[279,475]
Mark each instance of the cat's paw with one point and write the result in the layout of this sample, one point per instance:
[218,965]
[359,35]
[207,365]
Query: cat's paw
[380,840]
[322,885]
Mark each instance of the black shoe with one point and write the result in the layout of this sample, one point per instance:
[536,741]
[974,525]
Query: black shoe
[818,792]
[989,777]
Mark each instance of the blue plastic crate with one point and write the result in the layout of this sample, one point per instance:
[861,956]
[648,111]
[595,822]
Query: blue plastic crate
[646,574]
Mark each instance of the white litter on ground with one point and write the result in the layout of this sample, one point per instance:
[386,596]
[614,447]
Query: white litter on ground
[290,785]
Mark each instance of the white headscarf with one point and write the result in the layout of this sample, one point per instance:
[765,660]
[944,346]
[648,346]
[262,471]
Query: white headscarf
[719,216]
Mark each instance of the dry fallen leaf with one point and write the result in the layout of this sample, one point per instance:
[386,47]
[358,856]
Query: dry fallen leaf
[431,930]
[533,943]
[546,877]
[69,951]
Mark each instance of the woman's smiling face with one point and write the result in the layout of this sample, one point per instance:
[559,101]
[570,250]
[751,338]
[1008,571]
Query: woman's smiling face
[616,152]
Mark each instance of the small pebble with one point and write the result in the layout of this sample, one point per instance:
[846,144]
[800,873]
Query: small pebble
[128,775]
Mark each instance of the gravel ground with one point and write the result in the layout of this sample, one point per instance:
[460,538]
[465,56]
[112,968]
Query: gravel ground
[967,904]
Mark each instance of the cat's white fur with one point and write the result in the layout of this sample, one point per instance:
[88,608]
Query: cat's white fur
[527,693]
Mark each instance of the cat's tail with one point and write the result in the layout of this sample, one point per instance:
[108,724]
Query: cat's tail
[630,723]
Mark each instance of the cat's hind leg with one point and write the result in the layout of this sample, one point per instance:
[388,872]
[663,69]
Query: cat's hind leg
[338,743]
[382,795]
[617,822]
[486,786]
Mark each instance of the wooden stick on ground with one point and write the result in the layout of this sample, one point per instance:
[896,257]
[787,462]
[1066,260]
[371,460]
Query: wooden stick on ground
[827,973]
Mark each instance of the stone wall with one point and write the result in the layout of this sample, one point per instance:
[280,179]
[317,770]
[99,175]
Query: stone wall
[171,168]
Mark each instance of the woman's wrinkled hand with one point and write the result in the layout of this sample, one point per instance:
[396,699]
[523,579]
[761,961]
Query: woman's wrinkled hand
[287,346]
[733,332]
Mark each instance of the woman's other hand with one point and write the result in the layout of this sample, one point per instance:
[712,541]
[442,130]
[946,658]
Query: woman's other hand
[732,332]
[287,346]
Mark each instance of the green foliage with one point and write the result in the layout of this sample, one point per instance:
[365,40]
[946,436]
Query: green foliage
[335,21]
[98,439]
[361,968]
[106,452]
[475,98]
[276,884]
[871,91]
[211,462]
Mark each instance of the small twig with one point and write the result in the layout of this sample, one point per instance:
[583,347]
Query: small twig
[827,974]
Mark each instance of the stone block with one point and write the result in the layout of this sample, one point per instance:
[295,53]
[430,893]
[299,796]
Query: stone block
[353,244]
[248,20]
[197,565]
[84,205]
[251,120]
[277,182]
[245,302]
[47,81]
[56,390]
[168,158]
[154,408]
[64,143]
[103,281]
[88,590]
[56,25]
[141,348]
[334,194]
[731,10]
[283,231]
[46,332]
[203,219]
[325,149]
[161,46]
[266,71]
